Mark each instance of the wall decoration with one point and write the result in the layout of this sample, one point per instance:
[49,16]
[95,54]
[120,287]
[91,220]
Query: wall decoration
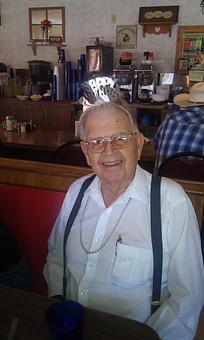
[190,46]
[202,6]
[196,75]
[168,14]
[183,64]
[158,19]
[55,40]
[126,36]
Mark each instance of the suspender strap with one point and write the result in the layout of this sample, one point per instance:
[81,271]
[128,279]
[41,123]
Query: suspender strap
[70,221]
[156,234]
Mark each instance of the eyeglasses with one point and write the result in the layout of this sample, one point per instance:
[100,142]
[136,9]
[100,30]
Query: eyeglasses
[98,144]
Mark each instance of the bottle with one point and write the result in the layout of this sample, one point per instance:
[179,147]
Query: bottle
[28,88]
[61,54]
[74,84]
[187,44]
[79,78]
[69,79]
[83,67]
[54,88]
[77,115]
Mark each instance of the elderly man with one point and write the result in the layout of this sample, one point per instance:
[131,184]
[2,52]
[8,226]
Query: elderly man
[109,252]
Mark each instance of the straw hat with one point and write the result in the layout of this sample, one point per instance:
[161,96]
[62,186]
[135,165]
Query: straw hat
[195,96]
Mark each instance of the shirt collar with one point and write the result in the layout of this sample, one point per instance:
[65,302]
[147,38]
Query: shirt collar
[137,189]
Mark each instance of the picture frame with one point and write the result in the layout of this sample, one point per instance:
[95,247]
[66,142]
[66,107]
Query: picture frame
[158,14]
[55,40]
[126,36]
[196,75]
[183,64]
[187,46]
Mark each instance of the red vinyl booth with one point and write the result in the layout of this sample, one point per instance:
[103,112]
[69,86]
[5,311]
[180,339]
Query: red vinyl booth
[29,213]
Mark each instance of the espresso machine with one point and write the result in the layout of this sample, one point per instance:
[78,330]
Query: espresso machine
[124,77]
[146,79]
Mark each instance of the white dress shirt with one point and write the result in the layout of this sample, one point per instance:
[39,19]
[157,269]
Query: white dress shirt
[118,278]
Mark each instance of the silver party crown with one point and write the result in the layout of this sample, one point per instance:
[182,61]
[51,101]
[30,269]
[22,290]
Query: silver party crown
[100,89]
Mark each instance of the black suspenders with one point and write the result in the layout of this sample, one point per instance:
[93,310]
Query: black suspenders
[70,221]
[156,235]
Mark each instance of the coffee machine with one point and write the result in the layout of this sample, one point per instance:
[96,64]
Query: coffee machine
[146,81]
[124,77]
[40,75]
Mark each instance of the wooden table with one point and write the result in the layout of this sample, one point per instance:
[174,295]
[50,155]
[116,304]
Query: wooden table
[38,145]
[30,310]
[37,139]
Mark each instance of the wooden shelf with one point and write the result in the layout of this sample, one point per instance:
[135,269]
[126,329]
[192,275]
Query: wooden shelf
[34,45]
[157,28]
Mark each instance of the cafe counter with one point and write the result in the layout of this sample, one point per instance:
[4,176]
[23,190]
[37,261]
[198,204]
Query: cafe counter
[46,115]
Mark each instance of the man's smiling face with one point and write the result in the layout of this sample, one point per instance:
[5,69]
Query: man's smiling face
[114,166]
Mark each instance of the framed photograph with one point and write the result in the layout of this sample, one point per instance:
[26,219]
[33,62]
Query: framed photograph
[196,75]
[126,36]
[160,14]
[183,64]
[55,40]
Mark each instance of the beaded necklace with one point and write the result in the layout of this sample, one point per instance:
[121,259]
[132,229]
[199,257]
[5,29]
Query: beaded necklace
[108,238]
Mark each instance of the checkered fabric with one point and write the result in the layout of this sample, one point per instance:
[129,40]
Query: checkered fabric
[181,131]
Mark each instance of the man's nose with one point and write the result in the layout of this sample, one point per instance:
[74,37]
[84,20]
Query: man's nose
[109,147]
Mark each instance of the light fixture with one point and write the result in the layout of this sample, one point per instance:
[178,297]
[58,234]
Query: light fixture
[202,6]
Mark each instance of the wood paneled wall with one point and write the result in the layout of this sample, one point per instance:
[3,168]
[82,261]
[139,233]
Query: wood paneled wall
[59,177]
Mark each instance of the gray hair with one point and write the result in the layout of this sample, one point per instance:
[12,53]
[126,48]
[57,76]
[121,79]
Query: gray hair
[99,107]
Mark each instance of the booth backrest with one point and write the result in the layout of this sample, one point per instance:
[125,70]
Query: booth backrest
[31,195]
[29,213]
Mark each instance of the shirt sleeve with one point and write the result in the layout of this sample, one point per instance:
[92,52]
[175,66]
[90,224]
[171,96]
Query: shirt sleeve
[53,269]
[178,316]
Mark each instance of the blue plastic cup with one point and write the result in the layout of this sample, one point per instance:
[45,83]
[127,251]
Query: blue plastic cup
[65,320]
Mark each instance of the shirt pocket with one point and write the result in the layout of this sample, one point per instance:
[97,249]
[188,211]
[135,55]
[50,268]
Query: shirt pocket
[132,266]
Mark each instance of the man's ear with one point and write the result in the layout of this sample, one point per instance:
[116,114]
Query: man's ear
[140,143]
[84,149]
